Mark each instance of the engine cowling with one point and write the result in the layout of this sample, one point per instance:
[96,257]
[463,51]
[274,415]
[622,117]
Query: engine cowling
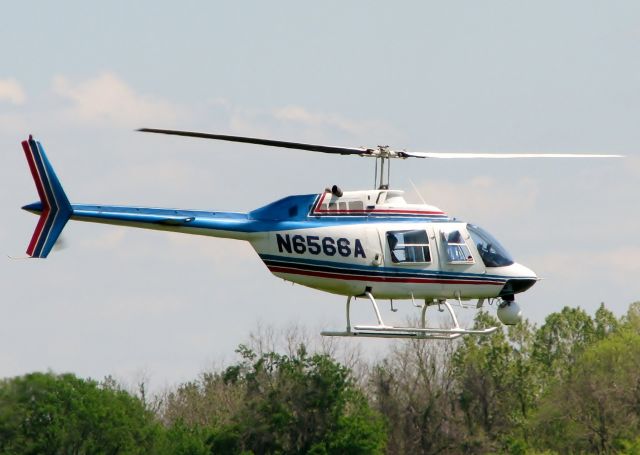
[509,312]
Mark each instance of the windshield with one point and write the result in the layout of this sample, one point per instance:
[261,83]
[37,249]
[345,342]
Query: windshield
[492,253]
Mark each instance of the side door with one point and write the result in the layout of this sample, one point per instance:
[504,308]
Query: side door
[459,260]
[411,257]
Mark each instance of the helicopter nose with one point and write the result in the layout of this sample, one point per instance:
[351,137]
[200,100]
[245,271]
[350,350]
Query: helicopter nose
[523,271]
[520,279]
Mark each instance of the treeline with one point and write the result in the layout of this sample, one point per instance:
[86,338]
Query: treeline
[571,385]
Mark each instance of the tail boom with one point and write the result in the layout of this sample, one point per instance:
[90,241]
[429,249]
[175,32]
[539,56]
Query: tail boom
[199,222]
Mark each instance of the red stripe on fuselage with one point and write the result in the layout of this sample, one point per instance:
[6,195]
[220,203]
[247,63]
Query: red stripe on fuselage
[356,277]
[46,206]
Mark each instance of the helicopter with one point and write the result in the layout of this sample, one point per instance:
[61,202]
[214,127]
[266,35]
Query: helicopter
[368,244]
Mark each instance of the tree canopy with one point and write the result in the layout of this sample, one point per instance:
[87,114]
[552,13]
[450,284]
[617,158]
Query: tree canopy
[571,385]
[43,413]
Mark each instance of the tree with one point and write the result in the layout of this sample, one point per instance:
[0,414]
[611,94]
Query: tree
[605,322]
[596,406]
[208,401]
[632,318]
[414,389]
[481,365]
[525,382]
[44,413]
[560,340]
[276,403]
[498,386]
[303,403]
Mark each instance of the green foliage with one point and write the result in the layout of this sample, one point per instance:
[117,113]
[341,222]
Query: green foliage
[411,388]
[630,447]
[50,414]
[605,322]
[570,386]
[498,386]
[182,439]
[596,407]
[274,403]
[632,318]
[300,404]
[561,339]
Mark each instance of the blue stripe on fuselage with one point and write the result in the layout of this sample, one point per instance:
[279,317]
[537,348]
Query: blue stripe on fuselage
[383,270]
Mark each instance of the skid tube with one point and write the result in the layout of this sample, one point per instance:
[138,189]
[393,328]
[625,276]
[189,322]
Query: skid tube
[381,330]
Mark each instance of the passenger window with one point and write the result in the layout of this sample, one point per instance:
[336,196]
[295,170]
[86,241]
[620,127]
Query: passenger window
[409,246]
[356,205]
[457,249]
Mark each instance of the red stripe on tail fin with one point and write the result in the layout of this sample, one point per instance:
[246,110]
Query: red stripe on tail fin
[46,208]
[55,207]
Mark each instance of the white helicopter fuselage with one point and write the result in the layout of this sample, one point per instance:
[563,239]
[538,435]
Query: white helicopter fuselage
[298,256]
[357,249]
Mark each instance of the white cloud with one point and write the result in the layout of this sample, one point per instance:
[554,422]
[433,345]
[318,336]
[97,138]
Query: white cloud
[483,197]
[108,99]
[109,239]
[232,254]
[134,307]
[293,121]
[618,265]
[633,166]
[171,172]
[300,115]
[11,91]
[12,123]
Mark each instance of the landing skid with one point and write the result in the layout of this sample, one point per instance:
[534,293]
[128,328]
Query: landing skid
[381,330]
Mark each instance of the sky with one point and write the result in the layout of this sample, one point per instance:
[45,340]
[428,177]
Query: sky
[491,76]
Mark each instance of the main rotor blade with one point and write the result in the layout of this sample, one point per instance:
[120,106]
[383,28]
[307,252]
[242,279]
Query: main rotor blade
[501,155]
[269,142]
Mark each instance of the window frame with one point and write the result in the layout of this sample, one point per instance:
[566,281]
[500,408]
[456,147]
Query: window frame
[405,245]
[460,245]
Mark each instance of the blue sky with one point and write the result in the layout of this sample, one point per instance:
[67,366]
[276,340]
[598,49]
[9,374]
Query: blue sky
[494,76]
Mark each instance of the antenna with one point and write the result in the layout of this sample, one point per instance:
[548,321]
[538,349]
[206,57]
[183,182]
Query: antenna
[417,191]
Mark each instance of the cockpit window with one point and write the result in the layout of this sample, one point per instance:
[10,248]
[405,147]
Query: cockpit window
[492,253]
[409,246]
[457,250]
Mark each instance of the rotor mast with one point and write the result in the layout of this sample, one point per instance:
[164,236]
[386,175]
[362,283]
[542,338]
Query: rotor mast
[380,182]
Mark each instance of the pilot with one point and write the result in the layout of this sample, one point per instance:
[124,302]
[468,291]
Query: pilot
[393,242]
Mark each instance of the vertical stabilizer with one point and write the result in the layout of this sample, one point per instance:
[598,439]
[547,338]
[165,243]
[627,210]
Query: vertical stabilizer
[55,209]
